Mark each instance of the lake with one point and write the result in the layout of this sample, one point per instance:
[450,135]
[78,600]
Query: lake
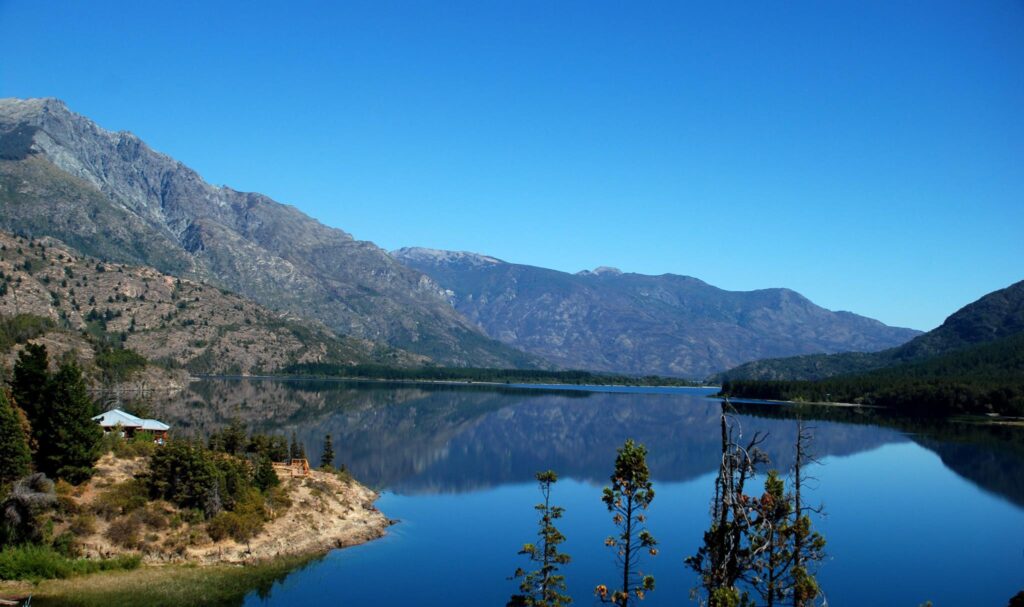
[913,510]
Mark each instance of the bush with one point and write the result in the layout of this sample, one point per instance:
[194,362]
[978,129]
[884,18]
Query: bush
[140,445]
[32,562]
[121,498]
[83,524]
[243,523]
[125,531]
[65,544]
[240,527]
[153,518]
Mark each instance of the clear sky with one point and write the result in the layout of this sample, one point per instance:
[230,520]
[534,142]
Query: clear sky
[867,154]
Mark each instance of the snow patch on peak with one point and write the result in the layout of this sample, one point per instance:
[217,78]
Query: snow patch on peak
[439,256]
[600,270]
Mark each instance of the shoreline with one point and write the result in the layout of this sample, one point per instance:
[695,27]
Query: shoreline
[451,382]
[977,419]
[326,513]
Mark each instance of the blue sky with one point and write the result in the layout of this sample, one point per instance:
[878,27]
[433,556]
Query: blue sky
[867,154]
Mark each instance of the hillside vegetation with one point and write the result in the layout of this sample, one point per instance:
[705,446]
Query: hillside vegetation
[973,363]
[996,315]
[987,378]
[118,316]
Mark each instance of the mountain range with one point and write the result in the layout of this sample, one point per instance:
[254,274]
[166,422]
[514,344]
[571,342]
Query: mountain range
[994,317]
[109,196]
[607,320]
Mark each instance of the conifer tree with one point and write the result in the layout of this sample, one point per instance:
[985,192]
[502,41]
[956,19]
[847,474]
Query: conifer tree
[544,586]
[770,542]
[297,450]
[68,438]
[725,557]
[629,495]
[15,457]
[265,476]
[30,382]
[327,455]
[808,544]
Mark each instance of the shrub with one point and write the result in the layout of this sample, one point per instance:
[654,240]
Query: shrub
[153,518]
[122,498]
[240,527]
[244,522]
[65,544]
[125,531]
[83,524]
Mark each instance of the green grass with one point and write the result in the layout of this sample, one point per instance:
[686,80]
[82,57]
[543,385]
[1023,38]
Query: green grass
[44,563]
[158,586]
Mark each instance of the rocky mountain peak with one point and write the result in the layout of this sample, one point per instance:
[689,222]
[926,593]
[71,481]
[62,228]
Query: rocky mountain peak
[422,254]
[601,271]
[110,195]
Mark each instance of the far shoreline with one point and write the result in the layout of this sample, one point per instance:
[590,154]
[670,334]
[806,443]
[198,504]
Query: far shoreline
[456,382]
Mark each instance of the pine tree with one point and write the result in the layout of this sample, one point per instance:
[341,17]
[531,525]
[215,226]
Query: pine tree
[297,450]
[770,542]
[725,556]
[265,476]
[327,456]
[808,545]
[15,457]
[629,495]
[544,587]
[68,438]
[30,383]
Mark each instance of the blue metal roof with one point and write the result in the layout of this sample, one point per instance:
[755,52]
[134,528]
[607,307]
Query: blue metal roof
[116,417]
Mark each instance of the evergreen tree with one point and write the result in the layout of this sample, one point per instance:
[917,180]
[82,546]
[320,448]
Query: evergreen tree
[725,557]
[629,495]
[185,474]
[15,457]
[265,476]
[327,456]
[68,438]
[30,383]
[770,541]
[544,587]
[297,450]
[808,545]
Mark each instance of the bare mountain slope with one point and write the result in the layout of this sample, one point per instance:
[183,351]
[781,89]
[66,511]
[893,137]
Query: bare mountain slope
[175,321]
[632,323]
[109,195]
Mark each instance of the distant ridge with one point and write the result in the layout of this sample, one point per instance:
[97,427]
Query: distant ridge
[993,317]
[607,320]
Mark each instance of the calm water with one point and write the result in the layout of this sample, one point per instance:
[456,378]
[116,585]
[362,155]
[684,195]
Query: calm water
[913,512]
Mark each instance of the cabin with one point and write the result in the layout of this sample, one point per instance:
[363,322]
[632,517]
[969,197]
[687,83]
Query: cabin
[127,424]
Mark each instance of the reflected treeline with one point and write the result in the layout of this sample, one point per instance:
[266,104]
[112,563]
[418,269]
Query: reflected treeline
[987,455]
[417,438]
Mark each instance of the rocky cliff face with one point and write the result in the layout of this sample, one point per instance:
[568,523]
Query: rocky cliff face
[109,195]
[671,325]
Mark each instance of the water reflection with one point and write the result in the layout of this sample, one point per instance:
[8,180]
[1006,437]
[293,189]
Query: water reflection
[420,438]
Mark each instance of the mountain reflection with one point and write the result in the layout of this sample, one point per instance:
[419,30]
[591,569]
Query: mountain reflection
[423,438]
